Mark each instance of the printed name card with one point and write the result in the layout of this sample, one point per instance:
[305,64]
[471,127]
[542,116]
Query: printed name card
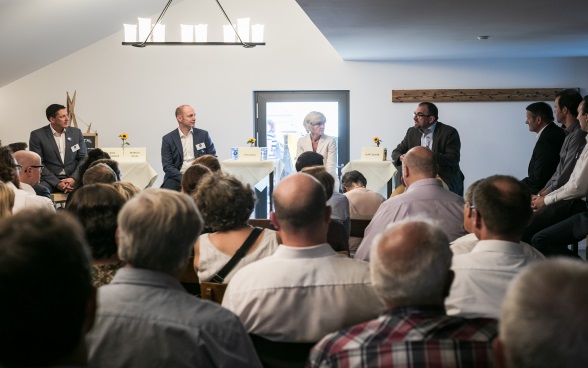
[129,154]
[373,154]
[249,154]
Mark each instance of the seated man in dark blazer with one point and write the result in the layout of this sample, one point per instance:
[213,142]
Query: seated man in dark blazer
[181,146]
[62,150]
[545,156]
[442,139]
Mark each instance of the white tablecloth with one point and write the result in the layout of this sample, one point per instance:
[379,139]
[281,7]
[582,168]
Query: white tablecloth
[249,172]
[139,173]
[377,173]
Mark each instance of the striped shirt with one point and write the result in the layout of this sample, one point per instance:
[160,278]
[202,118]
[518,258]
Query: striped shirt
[416,336]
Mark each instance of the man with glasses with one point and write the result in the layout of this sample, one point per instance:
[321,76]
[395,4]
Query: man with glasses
[442,139]
[30,173]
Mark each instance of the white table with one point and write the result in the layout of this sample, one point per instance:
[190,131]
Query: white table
[139,173]
[377,173]
[252,173]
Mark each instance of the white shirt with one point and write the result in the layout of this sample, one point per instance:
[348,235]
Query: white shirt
[25,200]
[466,243]
[427,136]
[302,294]
[60,141]
[577,185]
[482,277]
[188,149]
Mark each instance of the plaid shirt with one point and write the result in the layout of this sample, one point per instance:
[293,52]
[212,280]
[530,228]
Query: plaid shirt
[416,336]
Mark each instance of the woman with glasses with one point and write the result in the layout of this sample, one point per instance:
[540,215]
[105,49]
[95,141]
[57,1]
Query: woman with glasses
[317,141]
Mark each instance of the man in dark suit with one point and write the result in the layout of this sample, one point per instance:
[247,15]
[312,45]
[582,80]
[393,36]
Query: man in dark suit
[442,139]
[181,146]
[62,149]
[545,156]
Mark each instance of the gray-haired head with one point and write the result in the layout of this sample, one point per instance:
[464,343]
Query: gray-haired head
[99,174]
[157,230]
[543,321]
[410,264]
[313,118]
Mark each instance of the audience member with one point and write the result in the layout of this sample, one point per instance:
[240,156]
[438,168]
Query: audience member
[543,323]
[502,210]
[61,164]
[181,146]
[29,175]
[127,189]
[145,318]
[425,196]
[308,159]
[110,163]
[363,202]
[6,200]
[442,139]
[410,273]
[550,138]
[99,174]
[48,302]
[566,201]
[193,176]
[209,161]
[566,113]
[226,205]
[18,146]
[97,206]
[304,290]
[9,173]
[93,155]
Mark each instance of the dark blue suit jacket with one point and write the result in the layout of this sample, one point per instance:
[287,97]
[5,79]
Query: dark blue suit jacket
[172,153]
[545,157]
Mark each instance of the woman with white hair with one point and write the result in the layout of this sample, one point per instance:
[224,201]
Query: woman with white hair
[317,141]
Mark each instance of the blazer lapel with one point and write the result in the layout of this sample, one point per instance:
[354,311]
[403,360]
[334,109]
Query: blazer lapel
[437,135]
[320,145]
[68,144]
[51,140]
[178,143]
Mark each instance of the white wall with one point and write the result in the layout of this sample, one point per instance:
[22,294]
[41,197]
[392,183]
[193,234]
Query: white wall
[136,90]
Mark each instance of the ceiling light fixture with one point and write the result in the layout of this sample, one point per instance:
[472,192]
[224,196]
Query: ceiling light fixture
[193,35]
[483,37]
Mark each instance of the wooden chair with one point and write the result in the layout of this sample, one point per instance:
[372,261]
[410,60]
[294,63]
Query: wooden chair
[189,278]
[59,199]
[281,354]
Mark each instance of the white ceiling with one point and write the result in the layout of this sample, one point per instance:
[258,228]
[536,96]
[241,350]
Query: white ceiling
[36,33]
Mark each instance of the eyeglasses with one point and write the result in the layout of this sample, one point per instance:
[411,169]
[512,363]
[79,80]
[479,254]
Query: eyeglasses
[419,115]
[40,167]
[472,207]
[18,166]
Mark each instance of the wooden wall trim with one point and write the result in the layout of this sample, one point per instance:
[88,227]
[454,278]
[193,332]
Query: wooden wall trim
[475,95]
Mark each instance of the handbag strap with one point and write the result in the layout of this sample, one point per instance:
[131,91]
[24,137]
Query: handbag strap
[241,252]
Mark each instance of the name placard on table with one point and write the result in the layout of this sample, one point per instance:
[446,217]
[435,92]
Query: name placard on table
[373,154]
[130,154]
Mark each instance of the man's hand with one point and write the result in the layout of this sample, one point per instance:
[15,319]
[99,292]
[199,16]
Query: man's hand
[537,202]
[66,185]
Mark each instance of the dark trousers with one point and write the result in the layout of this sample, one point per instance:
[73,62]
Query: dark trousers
[551,215]
[554,240]
[172,184]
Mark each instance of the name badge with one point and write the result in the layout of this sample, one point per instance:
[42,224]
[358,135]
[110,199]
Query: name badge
[75,148]
[200,146]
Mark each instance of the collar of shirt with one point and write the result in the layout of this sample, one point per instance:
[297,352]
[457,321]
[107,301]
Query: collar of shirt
[542,129]
[182,134]
[418,309]
[55,134]
[498,246]
[141,276]
[424,182]
[573,126]
[315,251]
[431,129]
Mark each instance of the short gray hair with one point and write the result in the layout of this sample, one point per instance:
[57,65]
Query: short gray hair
[543,322]
[99,174]
[417,271]
[157,230]
[313,118]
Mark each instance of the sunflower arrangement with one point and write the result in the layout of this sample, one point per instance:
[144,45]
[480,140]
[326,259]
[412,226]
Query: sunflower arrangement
[123,137]
[251,142]
[377,141]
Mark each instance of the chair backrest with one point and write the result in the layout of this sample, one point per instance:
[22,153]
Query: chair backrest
[263,223]
[281,354]
[358,227]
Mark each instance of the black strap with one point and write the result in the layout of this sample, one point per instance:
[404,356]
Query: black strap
[241,252]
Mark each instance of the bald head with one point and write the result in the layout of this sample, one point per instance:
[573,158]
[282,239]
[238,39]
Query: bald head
[300,202]
[410,264]
[31,167]
[27,158]
[421,161]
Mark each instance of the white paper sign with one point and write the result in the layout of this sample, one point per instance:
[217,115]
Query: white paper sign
[249,154]
[373,154]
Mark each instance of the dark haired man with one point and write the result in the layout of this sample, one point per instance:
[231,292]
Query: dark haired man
[550,138]
[442,139]
[62,150]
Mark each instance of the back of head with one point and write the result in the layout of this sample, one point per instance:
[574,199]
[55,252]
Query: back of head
[309,159]
[192,177]
[326,179]
[110,163]
[410,262]
[93,155]
[6,200]
[7,168]
[353,177]
[99,174]
[504,204]
[421,161]
[225,203]
[542,110]
[543,322]
[209,161]
[469,193]
[157,230]
[45,286]
[96,206]
[300,202]
[18,146]
[127,189]
[571,99]
[313,118]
